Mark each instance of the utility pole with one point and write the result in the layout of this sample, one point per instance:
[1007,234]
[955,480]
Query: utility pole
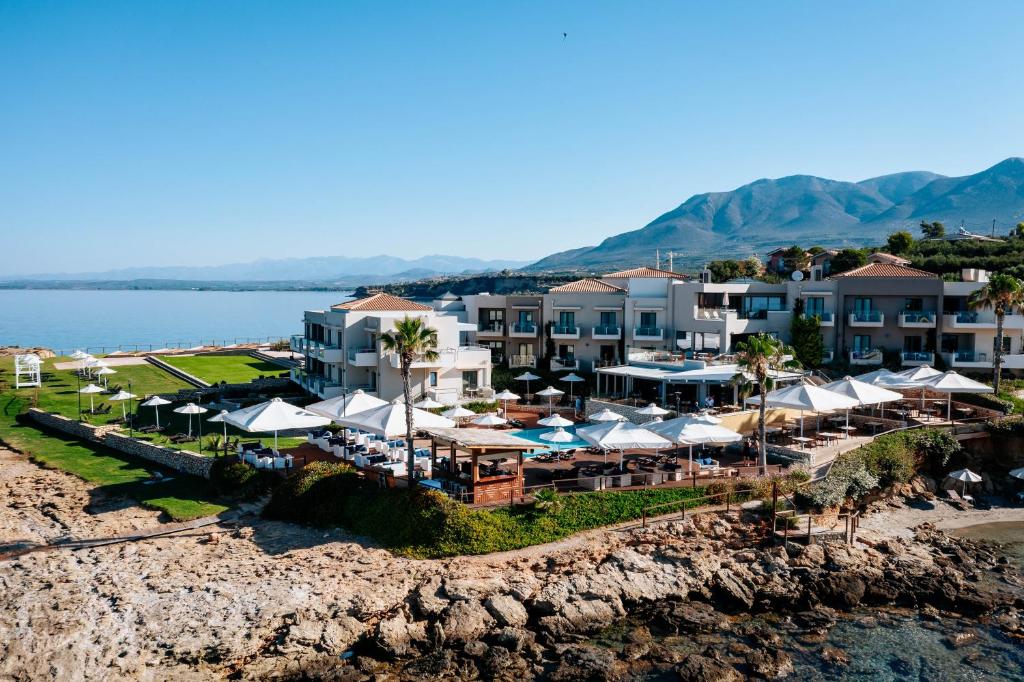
[993,227]
[657,259]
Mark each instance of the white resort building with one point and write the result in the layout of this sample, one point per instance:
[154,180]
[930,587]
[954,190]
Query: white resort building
[343,352]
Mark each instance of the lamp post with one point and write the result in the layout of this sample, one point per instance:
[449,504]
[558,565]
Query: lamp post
[78,375]
[131,414]
[200,420]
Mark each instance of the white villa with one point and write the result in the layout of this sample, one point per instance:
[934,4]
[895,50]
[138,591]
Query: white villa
[343,352]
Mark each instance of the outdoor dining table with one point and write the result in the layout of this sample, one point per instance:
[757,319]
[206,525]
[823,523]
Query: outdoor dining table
[829,437]
[803,441]
[847,429]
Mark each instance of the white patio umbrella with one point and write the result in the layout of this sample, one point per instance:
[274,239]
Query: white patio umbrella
[863,393]
[274,415]
[806,397]
[120,397]
[558,437]
[910,378]
[79,355]
[606,415]
[94,364]
[1017,473]
[428,403]
[389,420]
[105,372]
[221,417]
[688,431]
[155,402]
[458,412]
[555,420]
[527,377]
[190,409]
[344,405]
[965,475]
[91,390]
[652,410]
[875,377]
[506,396]
[550,392]
[571,379]
[489,419]
[950,382]
[622,436]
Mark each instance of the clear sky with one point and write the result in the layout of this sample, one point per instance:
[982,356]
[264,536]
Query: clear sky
[166,133]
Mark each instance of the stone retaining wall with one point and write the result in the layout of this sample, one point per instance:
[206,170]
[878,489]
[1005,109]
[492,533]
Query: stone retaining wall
[112,437]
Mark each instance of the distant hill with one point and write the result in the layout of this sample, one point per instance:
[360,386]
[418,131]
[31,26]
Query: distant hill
[808,210]
[342,269]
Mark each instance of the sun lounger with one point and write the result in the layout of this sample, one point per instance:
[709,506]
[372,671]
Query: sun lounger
[953,497]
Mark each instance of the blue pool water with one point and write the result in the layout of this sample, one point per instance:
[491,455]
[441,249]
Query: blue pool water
[534,435]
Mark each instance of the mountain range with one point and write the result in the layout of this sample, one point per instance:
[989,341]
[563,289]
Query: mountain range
[341,269]
[809,210]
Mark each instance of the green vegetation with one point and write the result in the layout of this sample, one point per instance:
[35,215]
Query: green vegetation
[805,333]
[184,497]
[890,458]
[1003,294]
[760,356]
[900,243]
[429,524]
[232,369]
[935,230]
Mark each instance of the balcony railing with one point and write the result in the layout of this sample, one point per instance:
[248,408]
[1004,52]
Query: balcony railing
[565,330]
[918,356]
[866,316]
[648,332]
[917,318]
[522,361]
[524,328]
[607,332]
[491,327]
[563,364]
[970,356]
[825,316]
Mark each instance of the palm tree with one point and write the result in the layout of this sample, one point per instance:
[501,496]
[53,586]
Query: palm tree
[412,340]
[758,357]
[1002,294]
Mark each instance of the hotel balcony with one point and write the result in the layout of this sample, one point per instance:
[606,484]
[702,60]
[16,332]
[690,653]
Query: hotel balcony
[560,332]
[363,357]
[827,356]
[865,357]
[297,343]
[490,329]
[606,333]
[969,359]
[463,357]
[980,319]
[826,318]
[916,358]
[523,331]
[324,352]
[522,361]
[871,318]
[917,319]
[648,334]
[564,364]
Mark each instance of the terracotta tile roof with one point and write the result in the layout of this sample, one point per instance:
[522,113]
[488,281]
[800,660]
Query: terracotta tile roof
[382,303]
[645,272]
[587,286]
[887,270]
[882,257]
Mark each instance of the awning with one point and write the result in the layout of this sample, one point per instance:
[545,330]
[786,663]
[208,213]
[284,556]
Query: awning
[635,372]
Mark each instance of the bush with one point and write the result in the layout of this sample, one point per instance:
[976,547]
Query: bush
[237,479]
[1002,404]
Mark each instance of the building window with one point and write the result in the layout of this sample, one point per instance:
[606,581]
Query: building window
[649,320]
[862,305]
[566,321]
[913,305]
[607,352]
[566,351]
[608,318]
[525,350]
[1006,344]
[913,344]
[432,379]
[861,343]
[815,305]
[469,380]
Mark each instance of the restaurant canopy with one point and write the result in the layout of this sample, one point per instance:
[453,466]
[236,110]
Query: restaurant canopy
[388,420]
[274,415]
[344,405]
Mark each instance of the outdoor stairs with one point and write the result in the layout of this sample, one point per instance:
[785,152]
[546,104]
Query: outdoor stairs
[802,529]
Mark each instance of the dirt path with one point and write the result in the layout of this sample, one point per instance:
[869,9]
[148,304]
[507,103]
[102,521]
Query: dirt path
[902,520]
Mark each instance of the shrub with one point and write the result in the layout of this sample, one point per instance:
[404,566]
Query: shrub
[547,500]
[237,479]
[1002,403]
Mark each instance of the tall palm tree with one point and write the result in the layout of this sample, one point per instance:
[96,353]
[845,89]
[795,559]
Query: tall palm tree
[758,357]
[1002,294]
[412,340]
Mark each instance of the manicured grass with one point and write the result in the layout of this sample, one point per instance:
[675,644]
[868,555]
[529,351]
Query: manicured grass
[234,369]
[183,498]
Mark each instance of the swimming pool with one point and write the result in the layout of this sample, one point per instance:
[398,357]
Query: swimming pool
[534,435]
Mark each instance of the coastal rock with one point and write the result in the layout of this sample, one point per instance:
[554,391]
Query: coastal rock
[835,657]
[397,635]
[840,590]
[771,664]
[686,616]
[696,668]
[428,599]
[588,663]
[733,589]
[506,610]
[466,621]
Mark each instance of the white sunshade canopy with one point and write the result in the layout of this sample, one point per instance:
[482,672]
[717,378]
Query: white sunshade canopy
[689,432]
[219,417]
[951,382]
[155,401]
[555,420]
[721,374]
[1017,473]
[806,397]
[876,377]
[606,415]
[622,436]
[527,376]
[79,355]
[489,419]
[458,412]
[389,420]
[191,408]
[550,392]
[428,403]
[91,388]
[652,410]
[106,370]
[863,393]
[572,377]
[965,475]
[345,405]
[909,378]
[506,395]
[274,415]
[122,395]
[559,435]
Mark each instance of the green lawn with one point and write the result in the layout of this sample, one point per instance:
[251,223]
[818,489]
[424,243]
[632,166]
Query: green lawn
[183,498]
[234,369]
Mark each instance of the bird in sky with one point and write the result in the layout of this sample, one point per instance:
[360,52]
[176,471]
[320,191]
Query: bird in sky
[564,35]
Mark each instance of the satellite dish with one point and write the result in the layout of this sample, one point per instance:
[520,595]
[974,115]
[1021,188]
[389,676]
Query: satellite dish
[798,276]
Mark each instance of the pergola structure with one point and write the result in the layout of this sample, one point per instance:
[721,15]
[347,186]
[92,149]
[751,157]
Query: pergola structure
[481,465]
[27,370]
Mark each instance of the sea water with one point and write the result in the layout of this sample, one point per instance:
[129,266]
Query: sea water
[100,321]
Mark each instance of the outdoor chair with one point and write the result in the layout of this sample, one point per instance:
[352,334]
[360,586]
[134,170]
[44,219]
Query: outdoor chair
[953,497]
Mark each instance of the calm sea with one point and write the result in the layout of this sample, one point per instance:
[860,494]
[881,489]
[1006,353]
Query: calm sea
[102,320]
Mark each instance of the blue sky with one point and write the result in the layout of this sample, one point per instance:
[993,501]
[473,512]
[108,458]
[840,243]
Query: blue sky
[164,133]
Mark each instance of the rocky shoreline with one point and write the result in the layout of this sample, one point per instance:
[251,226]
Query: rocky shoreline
[271,600]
